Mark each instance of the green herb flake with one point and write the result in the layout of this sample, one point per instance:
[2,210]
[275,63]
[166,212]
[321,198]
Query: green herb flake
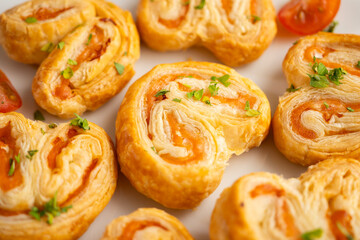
[51,210]
[72,62]
[61,45]
[213,89]
[31,20]
[250,112]
[350,109]
[38,116]
[42,131]
[318,81]
[52,125]
[186,85]
[336,74]
[153,148]
[326,105]
[358,64]
[292,88]
[177,100]
[319,68]
[223,79]
[206,100]
[201,5]
[185,76]
[89,39]
[331,27]
[198,94]
[190,94]
[186,3]
[344,231]
[31,153]
[17,158]
[161,93]
[119,68]
[12,167]
[67,73]
[80,122]
[312,235]
[247,106]
[255,18]
[296,42]
[47,47]
[125,53]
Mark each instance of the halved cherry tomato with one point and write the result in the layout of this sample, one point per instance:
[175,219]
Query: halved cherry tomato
[9,98]
[305,17]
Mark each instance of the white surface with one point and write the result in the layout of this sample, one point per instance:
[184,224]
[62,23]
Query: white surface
[266,72]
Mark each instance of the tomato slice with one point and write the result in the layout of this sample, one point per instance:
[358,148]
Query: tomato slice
[9,98]
[305,17]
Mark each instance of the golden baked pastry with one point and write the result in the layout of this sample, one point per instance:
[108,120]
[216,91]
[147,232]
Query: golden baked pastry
[319,117]
[323,203]
[92,65]
[179,124]
[236,31]
[50,177]
[147,223]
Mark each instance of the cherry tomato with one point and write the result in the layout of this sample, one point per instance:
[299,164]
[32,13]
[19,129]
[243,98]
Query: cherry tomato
[305,17]
[9,98]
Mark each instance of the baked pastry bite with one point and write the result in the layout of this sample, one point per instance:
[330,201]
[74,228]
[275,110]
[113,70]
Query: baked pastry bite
[323,203]
[28,28]
[92,64]
[179,124]
[50,177]
[319,117]
[236,31]
[147,223]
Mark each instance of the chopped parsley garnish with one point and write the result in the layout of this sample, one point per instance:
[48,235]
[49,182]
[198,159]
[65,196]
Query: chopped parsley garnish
[61,45]
[326,105]
[185,76]
[350,109]
[89,39]
[312,235]
[336,74]
[38,116]
[125,53]
[255,18]
[223,80]
[319,68]
[213,89]
[358,64]
[198,94]
[206,100]
[67,73]
[161,93]
[31,153]
[177,100]
[318,81]
[250,112]
[344,231]
[42,131]
[331,27]
[153,148]
[186,3]
[296,42]
[119,68]
[80,122]
[292,89]
[52,125]
[201,5]
[51,210]
[47,47]
[72,62]
[186,85]
[12,164]
[31,20]
[322,76]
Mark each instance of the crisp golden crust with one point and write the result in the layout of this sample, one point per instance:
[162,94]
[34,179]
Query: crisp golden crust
[95,46]
[265,206]
[236,31]
[70,161]
[313,124]
[173,148]
[146,223]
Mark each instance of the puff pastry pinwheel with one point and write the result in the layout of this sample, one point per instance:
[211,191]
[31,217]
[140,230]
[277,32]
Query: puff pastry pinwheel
[319,117]
[147,223]
[322,204]
[179,124]
[236,31]
[92,65]
[54,179]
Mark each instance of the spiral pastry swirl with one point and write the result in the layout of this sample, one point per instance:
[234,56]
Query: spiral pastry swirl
[56,175]
[318,118]
[174,135]
[236,31]
[323,203]
[146,223]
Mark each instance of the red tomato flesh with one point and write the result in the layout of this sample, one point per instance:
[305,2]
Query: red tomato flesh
[9,98]
[305,17]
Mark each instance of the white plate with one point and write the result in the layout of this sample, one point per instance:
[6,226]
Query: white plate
[266,72]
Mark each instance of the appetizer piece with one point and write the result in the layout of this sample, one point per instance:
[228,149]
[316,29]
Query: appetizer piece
[323,203]
[147,223]
[179,124]
[305,17]
[90,65]
[236,31]
[318,118]
[28,32]
[9,98]
[50,177]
